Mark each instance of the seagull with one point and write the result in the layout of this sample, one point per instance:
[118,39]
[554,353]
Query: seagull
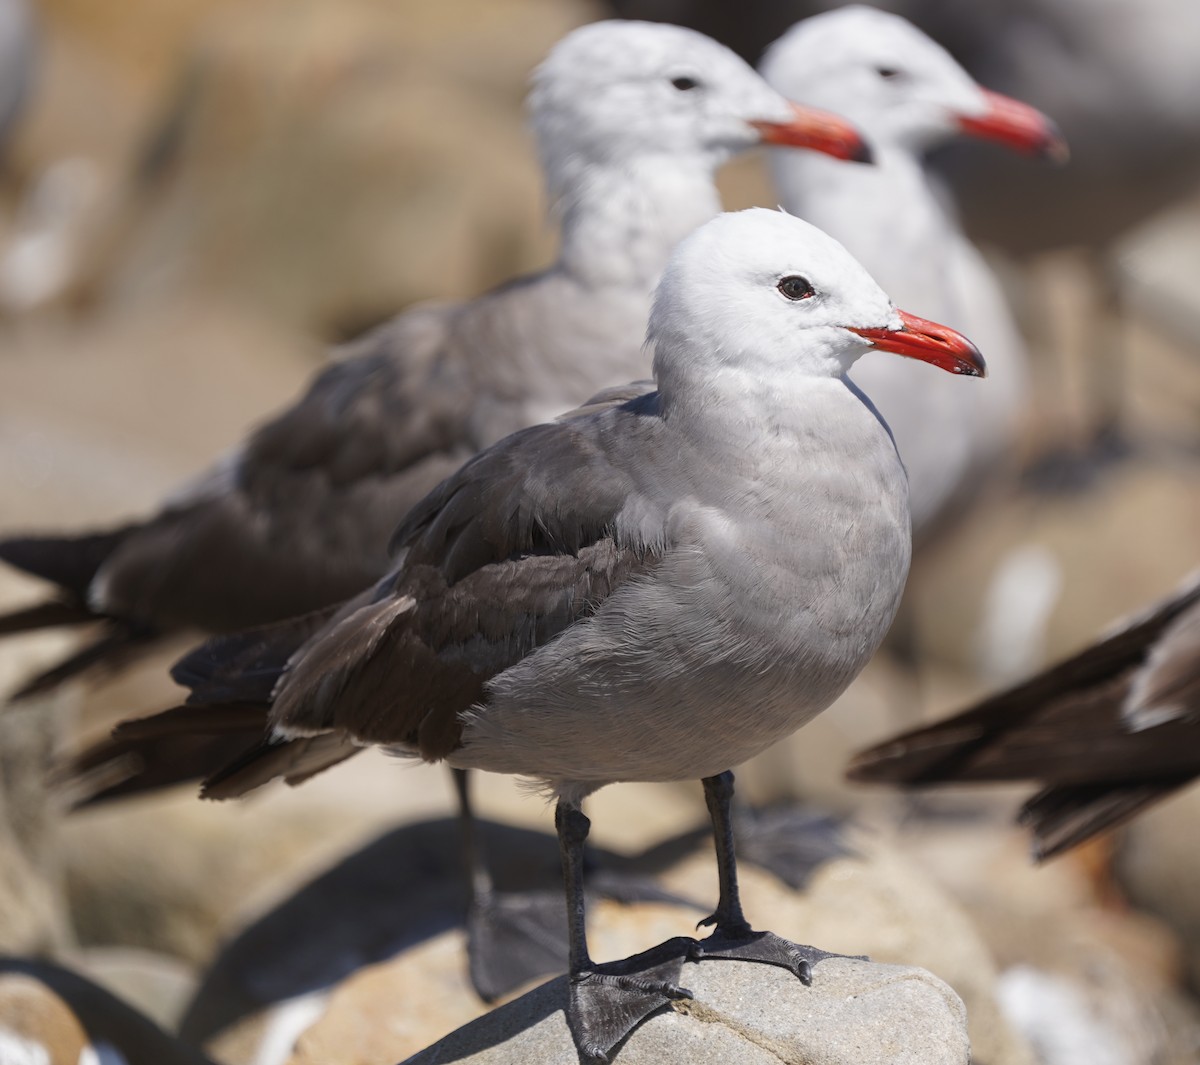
[1107,733]
[656,588]
[907,95]
[631,121]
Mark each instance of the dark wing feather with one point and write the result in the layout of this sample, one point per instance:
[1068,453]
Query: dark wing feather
[70,562]
[293,761]
[245,666]
[1069,728]
[1062,817]
[517,546]
[1011,735]
[489,569]
[180,745]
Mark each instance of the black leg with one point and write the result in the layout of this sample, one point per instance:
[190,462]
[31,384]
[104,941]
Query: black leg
[606,1002]
[479,878]
[732,937]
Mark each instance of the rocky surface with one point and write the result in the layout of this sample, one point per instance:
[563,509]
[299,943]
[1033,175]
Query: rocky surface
[53,1016]
[32,916]
[1158,866]
[855,1013]
[393,910]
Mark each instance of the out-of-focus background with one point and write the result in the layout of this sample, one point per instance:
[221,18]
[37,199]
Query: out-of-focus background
[198,197]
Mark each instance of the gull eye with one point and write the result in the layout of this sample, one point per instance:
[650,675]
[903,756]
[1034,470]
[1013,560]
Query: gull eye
[887,73]
[796,287]
[685,84]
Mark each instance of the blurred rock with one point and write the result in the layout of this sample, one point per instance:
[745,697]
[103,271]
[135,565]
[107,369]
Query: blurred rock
[53,1016]
[35,1023]
[1076,975]
[157,985]
[335,165]
[32,915]
[1158,865]
[172,874]
[855,1013]
[1151,505]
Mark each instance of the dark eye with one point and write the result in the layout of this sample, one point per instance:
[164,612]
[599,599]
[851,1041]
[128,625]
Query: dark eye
[887,73]
[685,84]
[796,287]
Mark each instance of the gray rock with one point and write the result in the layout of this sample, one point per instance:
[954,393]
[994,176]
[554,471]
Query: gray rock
[855,1013]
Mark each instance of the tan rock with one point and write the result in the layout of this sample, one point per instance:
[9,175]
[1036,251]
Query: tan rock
[1158,865]
[1079,970]
[32,914]
[879,904]
[173,874]
[33,1016]
[51,1014]
[336,167]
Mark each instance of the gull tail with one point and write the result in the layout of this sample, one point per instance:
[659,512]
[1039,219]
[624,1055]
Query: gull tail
[71,563]
[182,745]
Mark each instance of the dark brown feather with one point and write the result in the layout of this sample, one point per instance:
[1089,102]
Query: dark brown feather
[47,615]
[1070,729]
[117,645]
[1062,817]
[70,562]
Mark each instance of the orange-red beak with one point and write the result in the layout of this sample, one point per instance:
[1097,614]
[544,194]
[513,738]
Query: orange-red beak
[818,130]
[940,345]
[1019,126]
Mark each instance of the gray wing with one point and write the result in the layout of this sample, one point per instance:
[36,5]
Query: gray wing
[300,517]
[520,544]
[508,552]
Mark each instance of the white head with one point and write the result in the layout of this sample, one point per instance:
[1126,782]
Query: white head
[898,85]
[614,92]
[762,295]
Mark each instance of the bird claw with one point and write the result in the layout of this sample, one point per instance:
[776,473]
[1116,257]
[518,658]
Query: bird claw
[766,947]
[607,1002]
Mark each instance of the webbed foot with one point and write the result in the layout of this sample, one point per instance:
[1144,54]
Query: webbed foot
[607,1002]
[742,943]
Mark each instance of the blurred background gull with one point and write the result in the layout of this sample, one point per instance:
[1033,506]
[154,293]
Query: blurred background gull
[198,198]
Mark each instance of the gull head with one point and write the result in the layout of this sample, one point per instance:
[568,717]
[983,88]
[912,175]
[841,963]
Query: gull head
[762,295]
[899,86]
[613,93]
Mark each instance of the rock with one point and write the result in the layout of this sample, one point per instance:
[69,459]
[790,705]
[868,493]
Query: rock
[54,1016]
[32,915]
[157,985]
[35,1023]
[336,167]
[1079,968]
[879,903]
[1085,533]
[171,874]
[1158,866]
[400,894]
[390,902]
[855,1013]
